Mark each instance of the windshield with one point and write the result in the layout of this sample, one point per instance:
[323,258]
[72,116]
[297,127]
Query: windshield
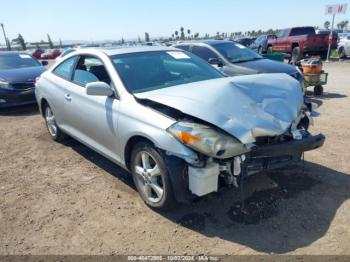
[146,71]
[13,61]
[236,53]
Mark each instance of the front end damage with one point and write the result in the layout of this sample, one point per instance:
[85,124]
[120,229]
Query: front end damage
[239,127]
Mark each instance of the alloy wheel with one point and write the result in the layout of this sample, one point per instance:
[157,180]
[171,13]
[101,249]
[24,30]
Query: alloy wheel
[50,121]
[149,176]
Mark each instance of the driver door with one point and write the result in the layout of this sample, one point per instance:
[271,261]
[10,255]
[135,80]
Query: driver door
[93,119]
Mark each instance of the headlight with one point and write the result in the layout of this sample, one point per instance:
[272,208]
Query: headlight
[4,85]
[207,140]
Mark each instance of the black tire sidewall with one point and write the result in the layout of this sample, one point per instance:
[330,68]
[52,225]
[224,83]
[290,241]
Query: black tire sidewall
[168,200]
[296,54]
[59,135]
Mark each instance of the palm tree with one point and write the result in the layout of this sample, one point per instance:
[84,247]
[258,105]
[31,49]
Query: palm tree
[327,24]
[177,34]
[182,33]
[189,33]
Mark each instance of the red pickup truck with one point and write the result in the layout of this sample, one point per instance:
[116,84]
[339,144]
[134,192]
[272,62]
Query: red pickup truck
[301,41]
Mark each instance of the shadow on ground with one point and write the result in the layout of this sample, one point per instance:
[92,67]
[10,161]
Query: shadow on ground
[26,110]
[284,210]
[325,95]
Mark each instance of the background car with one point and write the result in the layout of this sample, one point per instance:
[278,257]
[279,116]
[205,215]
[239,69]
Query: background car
[66,52]
[234,59]
[344,46]
[51,54]
[245,41]
[260,44]
[301,41]
[18,72]
[37,53]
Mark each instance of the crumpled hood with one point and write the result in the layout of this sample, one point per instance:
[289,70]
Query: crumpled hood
[244,106]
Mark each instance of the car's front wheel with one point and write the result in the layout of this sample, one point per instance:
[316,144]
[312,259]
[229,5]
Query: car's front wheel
[151,177]
[54,131]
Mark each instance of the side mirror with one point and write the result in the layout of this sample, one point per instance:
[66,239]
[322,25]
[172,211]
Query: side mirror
[98,89]
[44,63]
[215,61]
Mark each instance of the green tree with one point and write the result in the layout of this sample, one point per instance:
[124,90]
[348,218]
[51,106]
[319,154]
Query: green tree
[326,24]
[177,34]
[182,35]
[49,41]
[147,37]
[20,41]
[189,33]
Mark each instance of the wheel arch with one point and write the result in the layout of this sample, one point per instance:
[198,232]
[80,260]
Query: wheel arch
[43,103]
[132,141]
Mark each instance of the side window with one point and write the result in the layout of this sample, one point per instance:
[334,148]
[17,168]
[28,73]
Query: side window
[203,52]
[90,69]
[65,69]
[282,33]
[184,47]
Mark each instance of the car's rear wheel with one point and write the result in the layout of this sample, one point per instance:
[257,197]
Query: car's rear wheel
[296,55]
[54,131]
[318,90]
[259,50]
[151,177]
[341,52]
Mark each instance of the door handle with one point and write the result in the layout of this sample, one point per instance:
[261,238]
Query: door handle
[67,97]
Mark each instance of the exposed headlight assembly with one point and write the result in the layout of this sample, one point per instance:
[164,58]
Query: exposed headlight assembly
[207,140]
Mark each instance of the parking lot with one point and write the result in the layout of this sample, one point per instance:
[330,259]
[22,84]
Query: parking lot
[66,199]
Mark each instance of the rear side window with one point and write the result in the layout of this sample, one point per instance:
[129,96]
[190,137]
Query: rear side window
[203,52]
[90,69]
[65,69]
[303,31]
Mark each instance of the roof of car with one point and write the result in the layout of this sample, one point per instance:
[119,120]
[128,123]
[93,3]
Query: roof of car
[11,53]
[110,51]
[208,42]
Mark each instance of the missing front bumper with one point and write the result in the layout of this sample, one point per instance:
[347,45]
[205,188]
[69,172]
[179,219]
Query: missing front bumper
[203,181]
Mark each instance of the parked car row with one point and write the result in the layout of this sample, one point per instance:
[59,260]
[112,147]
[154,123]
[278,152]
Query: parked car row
[180,126]
[183,120]
[40,53]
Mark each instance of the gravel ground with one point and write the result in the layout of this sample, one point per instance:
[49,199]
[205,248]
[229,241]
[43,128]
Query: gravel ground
[66,199]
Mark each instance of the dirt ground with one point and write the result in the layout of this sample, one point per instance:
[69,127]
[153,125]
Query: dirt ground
[66,199]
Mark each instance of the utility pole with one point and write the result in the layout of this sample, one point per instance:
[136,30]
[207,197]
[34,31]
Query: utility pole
[330,37]
[6,41]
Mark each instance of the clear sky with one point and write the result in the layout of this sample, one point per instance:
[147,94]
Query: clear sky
[94,20]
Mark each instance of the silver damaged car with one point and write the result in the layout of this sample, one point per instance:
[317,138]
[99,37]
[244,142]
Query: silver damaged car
[175,122]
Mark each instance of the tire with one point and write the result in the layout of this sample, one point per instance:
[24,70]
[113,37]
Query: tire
[269,49]
[341,53]
[296,55]
[55,132]
[259,50]
[318,90]
[151,177]
[324,55]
